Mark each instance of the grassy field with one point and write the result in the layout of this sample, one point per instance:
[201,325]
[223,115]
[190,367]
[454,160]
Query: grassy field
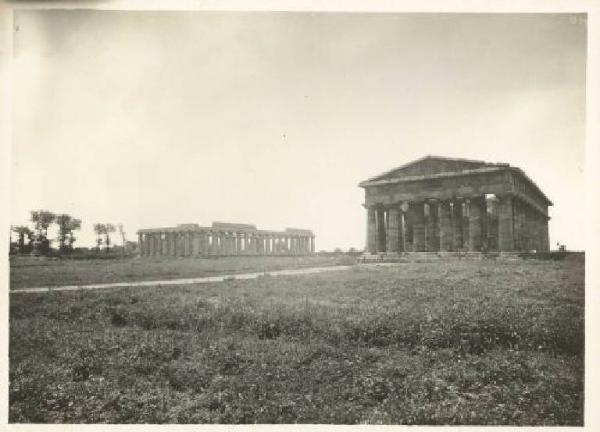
[29,272]
[449,342]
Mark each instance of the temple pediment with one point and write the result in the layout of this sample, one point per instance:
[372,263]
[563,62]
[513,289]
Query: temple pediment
[432,165]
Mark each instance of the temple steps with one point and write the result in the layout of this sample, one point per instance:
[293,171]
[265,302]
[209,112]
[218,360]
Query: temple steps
[435,256]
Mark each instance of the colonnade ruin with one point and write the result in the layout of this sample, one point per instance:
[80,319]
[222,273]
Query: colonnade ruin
[437,204]
[224,238]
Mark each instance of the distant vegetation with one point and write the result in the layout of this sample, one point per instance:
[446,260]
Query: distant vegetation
[35,240]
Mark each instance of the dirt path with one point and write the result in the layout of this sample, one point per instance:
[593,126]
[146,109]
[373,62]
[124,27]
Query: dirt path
[187,281]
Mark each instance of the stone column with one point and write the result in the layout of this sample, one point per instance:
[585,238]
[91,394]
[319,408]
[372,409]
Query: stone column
[140,248]
[185,243]
[458,237]
[524,235]
[445,226]
[312,244]
[524,227]
[195,243]
[215,243]
[515,223]
[419,227]
[476,209]
[537,230]
[176,244]
[545,234]
[371,242]
[409,221]
[401,231]
[142,245]
[159,244]
[151,245]
[230,243]
[210,242]
[223,243]
[380,221]
[190,241]
[433,234]
[246,243]
[232,250]
[409,225]
[506,240]
[201,243]
[392,230]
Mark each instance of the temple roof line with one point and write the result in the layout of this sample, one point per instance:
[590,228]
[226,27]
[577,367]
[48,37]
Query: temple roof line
[485,167]
[369,182]
[229,228]
[433,157]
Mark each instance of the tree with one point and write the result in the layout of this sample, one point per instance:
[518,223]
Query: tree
[23,231]
[99,229]
[123,240]
[109,228]
[66,225]
[105,230]
[122,233]
[74,225]
[42,220]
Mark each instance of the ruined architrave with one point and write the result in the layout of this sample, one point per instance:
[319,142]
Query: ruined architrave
[438,204]
[224,238]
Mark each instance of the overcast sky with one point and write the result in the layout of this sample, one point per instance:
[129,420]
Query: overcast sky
[153,119]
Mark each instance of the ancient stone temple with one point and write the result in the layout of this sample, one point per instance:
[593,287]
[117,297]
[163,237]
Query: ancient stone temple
[438,204]
[224,238]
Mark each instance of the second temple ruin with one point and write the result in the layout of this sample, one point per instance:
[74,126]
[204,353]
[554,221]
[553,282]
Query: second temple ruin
[223,238]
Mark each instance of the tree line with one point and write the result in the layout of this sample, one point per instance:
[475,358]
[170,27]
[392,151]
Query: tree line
[35,240]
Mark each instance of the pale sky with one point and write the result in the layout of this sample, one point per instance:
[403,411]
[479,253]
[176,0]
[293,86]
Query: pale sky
[152,119]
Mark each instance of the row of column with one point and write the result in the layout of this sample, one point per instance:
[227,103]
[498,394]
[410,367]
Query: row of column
[503,223]
[188,243]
